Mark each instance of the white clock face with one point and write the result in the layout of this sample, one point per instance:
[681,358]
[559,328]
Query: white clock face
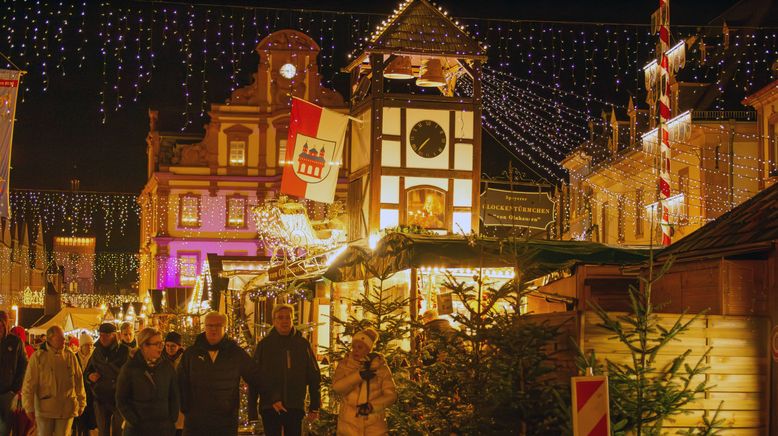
[288,70]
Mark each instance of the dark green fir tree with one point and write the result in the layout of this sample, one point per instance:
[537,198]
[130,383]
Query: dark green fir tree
[645,394]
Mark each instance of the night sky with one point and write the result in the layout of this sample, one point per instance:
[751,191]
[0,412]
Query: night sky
[59,134]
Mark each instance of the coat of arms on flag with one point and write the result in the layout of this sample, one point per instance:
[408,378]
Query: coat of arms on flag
[314,149]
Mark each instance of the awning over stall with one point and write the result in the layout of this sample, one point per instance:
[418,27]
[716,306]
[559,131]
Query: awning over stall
[534,258]
[70,318]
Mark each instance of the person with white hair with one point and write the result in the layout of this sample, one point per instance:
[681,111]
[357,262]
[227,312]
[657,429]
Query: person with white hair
[53,389]
[209,380]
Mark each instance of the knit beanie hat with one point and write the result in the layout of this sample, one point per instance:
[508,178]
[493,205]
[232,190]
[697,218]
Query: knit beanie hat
[173,337]
[368,337]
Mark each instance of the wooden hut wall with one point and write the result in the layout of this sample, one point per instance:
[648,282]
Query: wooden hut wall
[739,362]
[720,286]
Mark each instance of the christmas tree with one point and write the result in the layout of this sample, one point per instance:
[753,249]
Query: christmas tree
[387,313]
[494,374]
[643,393]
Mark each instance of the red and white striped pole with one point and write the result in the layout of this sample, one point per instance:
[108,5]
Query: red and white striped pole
[664,116]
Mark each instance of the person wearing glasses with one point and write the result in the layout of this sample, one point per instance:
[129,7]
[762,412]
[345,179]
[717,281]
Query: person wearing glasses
[147,391]
[209,380]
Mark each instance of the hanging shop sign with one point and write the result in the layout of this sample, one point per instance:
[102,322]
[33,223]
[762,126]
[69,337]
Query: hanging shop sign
[534,210]
[445,304]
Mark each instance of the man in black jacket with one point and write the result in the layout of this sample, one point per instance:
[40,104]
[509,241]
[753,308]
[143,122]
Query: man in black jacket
[288,358]
[101,374]
[13,363]
[209,380]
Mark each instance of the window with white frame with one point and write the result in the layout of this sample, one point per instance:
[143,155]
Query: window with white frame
[236,211]
[281,151]
[237,153]
[187,268]
[189,213]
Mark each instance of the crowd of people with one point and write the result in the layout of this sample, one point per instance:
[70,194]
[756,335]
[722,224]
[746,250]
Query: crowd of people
[148,384]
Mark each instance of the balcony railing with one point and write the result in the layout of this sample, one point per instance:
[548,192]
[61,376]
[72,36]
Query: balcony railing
[723,115]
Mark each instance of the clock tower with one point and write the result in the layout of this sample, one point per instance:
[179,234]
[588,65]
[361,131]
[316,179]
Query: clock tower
[415,159]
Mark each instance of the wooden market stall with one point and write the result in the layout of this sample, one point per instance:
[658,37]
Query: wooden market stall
[729,269]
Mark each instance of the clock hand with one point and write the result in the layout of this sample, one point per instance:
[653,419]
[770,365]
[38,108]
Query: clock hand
[424,143]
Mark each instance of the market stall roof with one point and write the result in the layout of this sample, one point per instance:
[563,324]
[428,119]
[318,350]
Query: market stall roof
[534,258]
[70,318]
[751,226]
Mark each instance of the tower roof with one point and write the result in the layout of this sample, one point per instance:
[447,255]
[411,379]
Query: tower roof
[420,28]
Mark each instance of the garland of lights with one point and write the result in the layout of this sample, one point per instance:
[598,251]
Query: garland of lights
[33,298]
[211,41]
[551,144]
[206,39]
[74,213]
[619,178]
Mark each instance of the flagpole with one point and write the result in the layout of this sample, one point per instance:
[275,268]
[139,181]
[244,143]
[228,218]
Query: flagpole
[5,207]
[7,59]
[322,107]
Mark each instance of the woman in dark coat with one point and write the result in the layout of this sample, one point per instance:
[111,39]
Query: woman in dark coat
[147,390]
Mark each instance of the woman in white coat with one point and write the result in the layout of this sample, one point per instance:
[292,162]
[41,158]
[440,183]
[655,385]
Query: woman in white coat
[365,386]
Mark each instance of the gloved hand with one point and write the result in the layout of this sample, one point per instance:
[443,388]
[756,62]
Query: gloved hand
[364,409]
[367,374]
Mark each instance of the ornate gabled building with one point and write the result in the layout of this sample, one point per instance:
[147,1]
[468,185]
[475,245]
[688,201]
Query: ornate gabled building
[200,187]
[612,192]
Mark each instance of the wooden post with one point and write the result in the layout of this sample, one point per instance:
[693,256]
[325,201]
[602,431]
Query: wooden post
[477,101]
[413,302]
[377,113]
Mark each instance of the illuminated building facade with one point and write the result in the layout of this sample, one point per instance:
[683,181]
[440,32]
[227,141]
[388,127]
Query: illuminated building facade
[201,188]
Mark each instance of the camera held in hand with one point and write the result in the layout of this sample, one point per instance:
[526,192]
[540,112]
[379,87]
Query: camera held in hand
[367,372]
[364,409]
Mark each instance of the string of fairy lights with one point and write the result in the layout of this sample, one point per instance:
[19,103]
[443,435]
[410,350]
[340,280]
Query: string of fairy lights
[544,84]
[49,39]
[542,116]
[631,178]
[75,213]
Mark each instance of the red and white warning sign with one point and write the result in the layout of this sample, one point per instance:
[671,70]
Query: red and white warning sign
[591,415]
